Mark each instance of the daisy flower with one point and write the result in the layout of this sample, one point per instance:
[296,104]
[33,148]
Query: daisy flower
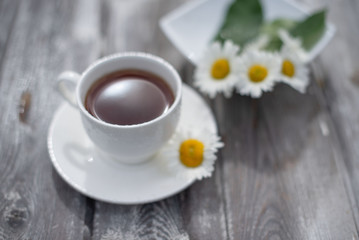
[217,70]
[258,73]
[293,44]
[191,154]
[293,72]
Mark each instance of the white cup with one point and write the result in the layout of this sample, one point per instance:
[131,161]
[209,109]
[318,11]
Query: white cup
[126,143]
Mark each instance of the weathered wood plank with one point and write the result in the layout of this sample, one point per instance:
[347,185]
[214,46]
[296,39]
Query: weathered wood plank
[205,212]
[133,26]
[35,202]
[289,169]
[280,174]
[337,71]
[8,10]
[280,178]
[280,168]
[197,213]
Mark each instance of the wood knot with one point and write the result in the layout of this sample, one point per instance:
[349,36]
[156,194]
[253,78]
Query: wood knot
[16,217]
[355,78]
[24,106]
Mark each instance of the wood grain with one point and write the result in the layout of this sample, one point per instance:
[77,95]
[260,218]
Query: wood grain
[8,11]
[289,169]
[337,69]
[281,168]
[205,211]
[35,202]
[279,172]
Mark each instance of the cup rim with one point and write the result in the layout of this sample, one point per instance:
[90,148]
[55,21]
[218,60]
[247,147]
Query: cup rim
[149,56]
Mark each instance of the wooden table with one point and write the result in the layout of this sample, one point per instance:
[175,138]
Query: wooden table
[290,168]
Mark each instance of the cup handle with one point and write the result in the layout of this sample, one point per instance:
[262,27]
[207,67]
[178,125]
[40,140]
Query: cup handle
[66,86]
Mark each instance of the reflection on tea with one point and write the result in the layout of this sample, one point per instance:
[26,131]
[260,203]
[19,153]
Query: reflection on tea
[128,97]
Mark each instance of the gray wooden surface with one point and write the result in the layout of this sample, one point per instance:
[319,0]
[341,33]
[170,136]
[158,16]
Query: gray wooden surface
[290,168]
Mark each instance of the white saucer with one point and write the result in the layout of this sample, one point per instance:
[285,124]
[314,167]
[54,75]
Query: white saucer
[75,159]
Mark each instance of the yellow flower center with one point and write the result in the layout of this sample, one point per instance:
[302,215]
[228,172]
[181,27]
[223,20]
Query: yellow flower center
[288,68]
[191,153]
[220,69]
[257,73]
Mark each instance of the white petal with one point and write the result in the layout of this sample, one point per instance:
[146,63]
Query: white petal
[202,75]
[169,156]
[270,61]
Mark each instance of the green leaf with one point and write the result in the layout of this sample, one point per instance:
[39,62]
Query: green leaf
[242,23]
[274,44]
[310,30]
[271,30]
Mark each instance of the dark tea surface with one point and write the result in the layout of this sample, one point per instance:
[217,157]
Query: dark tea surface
[128,97]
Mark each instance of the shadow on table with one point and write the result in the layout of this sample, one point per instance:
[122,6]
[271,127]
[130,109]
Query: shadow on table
[269,133]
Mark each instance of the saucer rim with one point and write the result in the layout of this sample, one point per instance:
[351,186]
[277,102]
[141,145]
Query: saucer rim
[82,190]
